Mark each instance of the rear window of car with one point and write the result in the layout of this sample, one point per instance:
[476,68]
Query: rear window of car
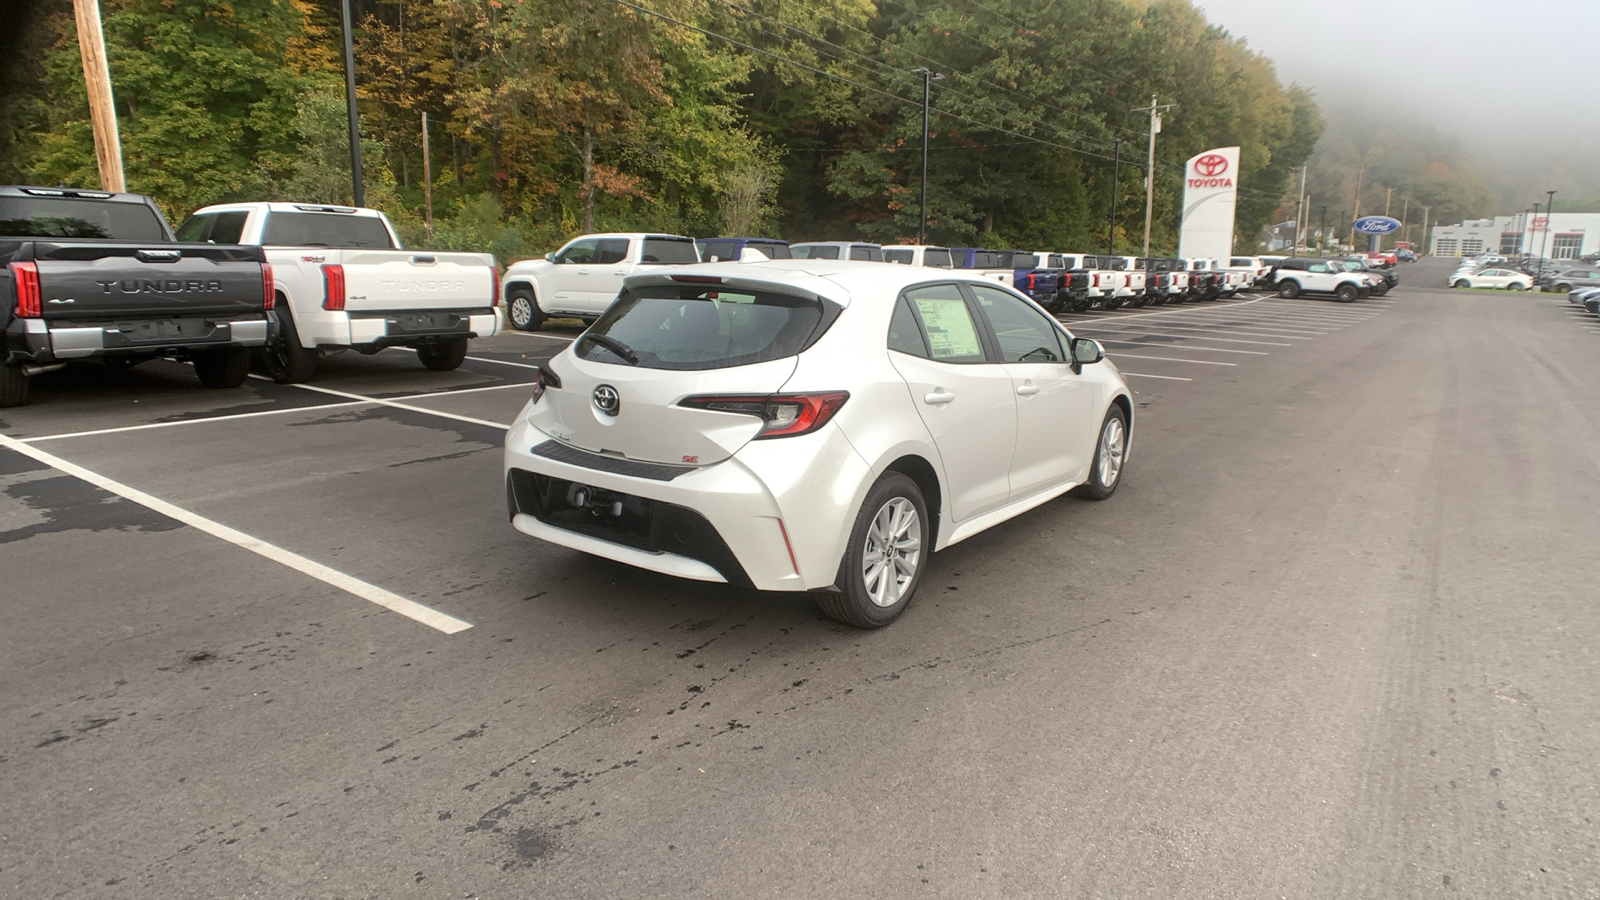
[696,327]
[772,249]
[939,259]
[668,252]
[903,257]
[818,252]
[59,217]
[866,254]
[309,229]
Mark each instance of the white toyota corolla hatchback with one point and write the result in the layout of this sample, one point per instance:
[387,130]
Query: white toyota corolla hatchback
[809,425]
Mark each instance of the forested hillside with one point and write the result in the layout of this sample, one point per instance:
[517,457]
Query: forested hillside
[799,118]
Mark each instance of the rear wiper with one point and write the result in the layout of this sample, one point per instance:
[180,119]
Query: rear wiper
[617,347]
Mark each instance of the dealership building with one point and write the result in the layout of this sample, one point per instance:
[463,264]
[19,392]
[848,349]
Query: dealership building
[1561,236]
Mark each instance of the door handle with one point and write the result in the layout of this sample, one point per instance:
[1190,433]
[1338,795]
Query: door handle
[1027,389]
[583,272]
[938,397]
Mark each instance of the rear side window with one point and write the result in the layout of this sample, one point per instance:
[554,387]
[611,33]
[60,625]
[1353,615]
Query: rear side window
[939,259]
[59,217]
[218,228]
[307,229]
[816,252]
[866,254]
[773,250]
[721,251]
[667,252]
[691,327]
[610,250]
[904,335]
[947,323]
[903,257]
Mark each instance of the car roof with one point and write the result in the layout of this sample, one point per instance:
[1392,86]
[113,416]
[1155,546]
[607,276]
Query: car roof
[835,244]
[837,280]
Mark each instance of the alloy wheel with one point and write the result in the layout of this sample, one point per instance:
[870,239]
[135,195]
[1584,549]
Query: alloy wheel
[1113,448]
[893,551]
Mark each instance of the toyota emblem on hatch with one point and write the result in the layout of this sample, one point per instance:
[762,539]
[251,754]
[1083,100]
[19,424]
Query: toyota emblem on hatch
[607,400]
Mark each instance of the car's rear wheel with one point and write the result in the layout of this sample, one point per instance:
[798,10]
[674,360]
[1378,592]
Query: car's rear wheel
[1560,288]
[13,386]
[1347,293]
[284,359]
[883,564]
[523,310]
[1110,453]
[444,355]
[226,368]
[1516,286]
[1288,289]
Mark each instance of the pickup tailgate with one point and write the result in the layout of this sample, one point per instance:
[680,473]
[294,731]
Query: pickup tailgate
[385,280]
[102,280]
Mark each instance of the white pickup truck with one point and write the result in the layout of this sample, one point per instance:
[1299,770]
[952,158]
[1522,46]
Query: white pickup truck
[343,282]
[582,278]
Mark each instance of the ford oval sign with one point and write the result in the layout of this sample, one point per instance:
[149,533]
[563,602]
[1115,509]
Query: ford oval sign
[1377,225]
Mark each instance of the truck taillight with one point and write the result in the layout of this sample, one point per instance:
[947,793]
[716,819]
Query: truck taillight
[269,290]
[25,275]
[494,286]
[1030,281]
[333,287]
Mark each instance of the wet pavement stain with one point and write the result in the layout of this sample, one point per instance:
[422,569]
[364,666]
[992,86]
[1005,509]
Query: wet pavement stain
[68,504]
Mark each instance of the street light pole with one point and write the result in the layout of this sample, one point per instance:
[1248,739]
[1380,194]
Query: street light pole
[356,181]
[1322,230]
[928,78]
[1549,211]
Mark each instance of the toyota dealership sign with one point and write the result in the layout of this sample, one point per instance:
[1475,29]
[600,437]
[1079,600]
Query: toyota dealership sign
[1210,195]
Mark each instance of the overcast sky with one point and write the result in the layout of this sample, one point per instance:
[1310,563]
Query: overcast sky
[1512,80]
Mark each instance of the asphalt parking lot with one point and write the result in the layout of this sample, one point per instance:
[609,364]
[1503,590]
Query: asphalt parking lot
[1333,637]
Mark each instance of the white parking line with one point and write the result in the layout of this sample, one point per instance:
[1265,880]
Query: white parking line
[535,334]
[1264,326]
[1187,337]
[1162,377]
[1183,346]
[397,405]
[348,583]
[1198,362]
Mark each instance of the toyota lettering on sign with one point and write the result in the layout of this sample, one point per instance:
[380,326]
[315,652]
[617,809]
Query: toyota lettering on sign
[1210,196]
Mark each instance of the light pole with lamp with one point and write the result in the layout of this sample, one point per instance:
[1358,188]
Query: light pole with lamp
[928,78]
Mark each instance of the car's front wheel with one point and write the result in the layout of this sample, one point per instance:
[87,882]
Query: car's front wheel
[1462,283]
[524,311]
[888,550]
[1110,453]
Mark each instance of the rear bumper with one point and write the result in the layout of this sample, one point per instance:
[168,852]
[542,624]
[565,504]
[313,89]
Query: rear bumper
[723,522]
[43,341]
[402,328]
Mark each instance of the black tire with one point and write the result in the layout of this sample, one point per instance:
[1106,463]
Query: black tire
[1139,301]
[13,386]
[1115,302]
[522,311]
[1346,293]
[852,604]
[1288,289]
[444,355]
[1158,300]
[1518,286]
[1380,290]
[1057,304]
[1562,288]
[1081,304]
[1462,283]
[284,359]
[227,368]
[1103,479]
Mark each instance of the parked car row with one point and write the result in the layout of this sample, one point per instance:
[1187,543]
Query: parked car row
[102,277]
[1586,297]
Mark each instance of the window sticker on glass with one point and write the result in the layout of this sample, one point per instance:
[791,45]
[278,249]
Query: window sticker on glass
[951,334]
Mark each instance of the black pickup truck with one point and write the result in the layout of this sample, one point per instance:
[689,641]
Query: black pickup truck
[92,275]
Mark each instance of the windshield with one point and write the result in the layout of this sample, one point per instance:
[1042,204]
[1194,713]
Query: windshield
[692,327]
[59,217]
[308,229]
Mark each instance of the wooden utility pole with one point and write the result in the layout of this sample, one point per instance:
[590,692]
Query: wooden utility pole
[97,79]
[1356,209]
[1405,210]
[427,180]
[1150,167]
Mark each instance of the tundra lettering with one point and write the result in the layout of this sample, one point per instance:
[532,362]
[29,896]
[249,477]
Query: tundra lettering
[172,286]
[425,285]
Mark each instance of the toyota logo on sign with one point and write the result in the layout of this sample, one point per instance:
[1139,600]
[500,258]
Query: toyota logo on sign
[1211,165]
[607,400]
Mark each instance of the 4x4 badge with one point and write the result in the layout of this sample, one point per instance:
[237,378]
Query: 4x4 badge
[607,400]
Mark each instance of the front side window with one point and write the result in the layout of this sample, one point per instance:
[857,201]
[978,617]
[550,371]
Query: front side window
[1024,334]
[947,324]
[692,327]
[578,253]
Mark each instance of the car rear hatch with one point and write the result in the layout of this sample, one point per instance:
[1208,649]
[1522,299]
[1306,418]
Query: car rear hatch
[677,369]
[416,279]
[103,280]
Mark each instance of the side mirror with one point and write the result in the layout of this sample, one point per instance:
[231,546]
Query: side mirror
[550,257]
[1086,351]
